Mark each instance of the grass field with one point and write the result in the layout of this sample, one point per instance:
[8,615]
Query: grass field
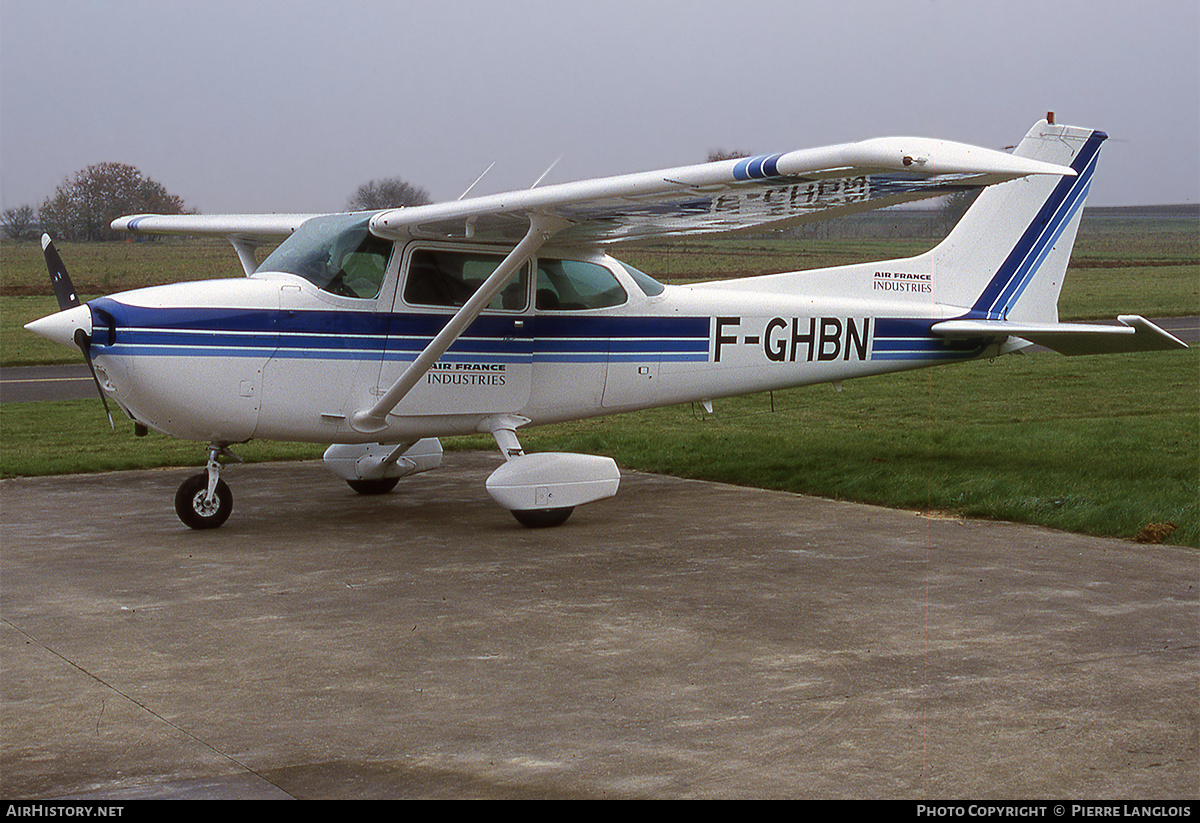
[1135,265]
[1101,445]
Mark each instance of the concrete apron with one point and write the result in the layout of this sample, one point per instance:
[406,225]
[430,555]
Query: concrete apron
[683,639]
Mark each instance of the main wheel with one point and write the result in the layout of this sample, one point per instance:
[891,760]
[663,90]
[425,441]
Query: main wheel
[380,486]
[542,518]
[194,512]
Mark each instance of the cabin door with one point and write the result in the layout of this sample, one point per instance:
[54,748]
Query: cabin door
[487,370]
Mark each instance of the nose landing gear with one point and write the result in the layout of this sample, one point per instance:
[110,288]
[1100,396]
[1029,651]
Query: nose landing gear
[204,500]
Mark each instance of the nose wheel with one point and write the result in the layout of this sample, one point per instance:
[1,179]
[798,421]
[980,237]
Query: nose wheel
[204,500]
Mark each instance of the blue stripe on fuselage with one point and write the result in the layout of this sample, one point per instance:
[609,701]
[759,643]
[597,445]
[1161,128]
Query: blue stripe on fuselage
[350,336]
[215,332]
[900,338]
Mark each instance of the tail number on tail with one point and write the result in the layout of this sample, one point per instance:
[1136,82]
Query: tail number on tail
[796,339]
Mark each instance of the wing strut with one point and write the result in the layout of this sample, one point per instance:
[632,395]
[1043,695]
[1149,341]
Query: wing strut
[245,248]
[541,228]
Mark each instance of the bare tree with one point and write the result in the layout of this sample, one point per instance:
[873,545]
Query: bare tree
[20,223]
[952,209]
[82,208]
[390,193]
[721,154]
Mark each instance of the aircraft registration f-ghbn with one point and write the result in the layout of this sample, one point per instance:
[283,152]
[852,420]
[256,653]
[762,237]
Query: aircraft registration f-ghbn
[380,332]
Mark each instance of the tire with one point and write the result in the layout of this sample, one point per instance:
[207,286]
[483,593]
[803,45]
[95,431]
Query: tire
[380,486]
[542,518]
[189,503]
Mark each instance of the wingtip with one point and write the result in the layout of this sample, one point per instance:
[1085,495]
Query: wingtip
[1055,168]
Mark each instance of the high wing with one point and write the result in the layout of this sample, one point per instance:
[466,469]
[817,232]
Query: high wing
[764,192]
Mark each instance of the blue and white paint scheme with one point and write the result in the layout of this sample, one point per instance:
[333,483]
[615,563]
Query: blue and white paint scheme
[379,332]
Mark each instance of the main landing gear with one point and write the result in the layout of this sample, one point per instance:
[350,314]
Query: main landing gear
[541,490]
[379,485]
[204,500]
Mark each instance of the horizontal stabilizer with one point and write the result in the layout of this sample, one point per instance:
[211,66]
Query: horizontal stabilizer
[1135,334]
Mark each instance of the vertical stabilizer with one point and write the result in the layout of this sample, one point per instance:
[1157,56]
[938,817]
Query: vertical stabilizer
[1007,257]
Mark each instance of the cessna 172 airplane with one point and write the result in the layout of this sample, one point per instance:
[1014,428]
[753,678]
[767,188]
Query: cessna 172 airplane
[380,332]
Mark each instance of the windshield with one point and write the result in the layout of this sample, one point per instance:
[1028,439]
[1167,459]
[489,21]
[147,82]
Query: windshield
[336,253]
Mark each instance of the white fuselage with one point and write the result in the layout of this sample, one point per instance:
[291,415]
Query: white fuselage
[274,357]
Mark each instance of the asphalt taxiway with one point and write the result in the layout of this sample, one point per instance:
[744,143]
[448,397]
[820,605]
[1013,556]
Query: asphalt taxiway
[682,640]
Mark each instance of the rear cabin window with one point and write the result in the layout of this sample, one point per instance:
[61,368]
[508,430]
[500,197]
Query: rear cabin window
[449,278]
[575,285]
[645,282]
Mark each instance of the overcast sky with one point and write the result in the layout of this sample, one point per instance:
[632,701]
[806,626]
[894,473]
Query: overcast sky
[274,105]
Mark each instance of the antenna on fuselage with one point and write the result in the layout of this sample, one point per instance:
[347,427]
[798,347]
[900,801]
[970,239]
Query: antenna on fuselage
[477,179]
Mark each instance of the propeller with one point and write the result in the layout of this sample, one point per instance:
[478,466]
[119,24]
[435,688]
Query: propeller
[64,289]
[84,341]
[68,298]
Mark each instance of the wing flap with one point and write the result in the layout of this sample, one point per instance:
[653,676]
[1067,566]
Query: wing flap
[1135,334]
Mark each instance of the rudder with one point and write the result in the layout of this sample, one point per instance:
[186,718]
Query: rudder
[1007,257]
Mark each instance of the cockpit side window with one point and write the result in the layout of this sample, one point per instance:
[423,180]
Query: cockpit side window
[438,277]
[362,270]
[576,285]
[337,254]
